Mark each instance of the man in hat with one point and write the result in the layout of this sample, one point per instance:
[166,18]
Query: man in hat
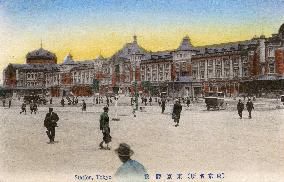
[50,122]
[130,170]
[104,126]
[250,107]
[240,108]
[176,112]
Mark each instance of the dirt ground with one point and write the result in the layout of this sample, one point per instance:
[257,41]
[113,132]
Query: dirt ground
[216,142]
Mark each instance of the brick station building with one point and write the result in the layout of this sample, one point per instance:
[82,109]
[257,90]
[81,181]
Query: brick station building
[253,66]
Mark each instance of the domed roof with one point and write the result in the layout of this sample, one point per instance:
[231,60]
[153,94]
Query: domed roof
[41,54]
[281,32]
[68,59]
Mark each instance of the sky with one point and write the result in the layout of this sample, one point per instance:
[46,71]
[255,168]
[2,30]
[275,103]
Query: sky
[88,28]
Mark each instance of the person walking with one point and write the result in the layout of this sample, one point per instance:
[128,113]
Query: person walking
[150,101]
[50,100]
[131,101]
[10,103]
[33,107]
[240,108]
[130,170]
[3,101]
[84,106]
[250,107]
[62,102]
[176,112]
[23,107]
[104,126]
[187,101]
[134,107]
[50,122]
[107,101]
[163,104]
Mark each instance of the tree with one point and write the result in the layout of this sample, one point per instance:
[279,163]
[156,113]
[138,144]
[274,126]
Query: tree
[148,86]
[96,85]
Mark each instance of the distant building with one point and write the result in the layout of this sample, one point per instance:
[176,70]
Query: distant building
[253,66]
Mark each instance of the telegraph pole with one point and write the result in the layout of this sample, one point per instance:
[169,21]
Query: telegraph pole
[135,87]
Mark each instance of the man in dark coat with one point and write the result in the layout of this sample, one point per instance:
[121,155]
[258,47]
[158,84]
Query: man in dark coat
[240,108]
[163,104]
[150,101]
[84,106]
[250,107]
[23,107]
[145,101]
[62,102]
[10,103]
[107,100]
[50,122]
[104,126]
[50,100]
[176,112]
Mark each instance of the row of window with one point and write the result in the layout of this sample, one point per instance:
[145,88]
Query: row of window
[218,73]
[155,66]
[155,77]
[33,75]
[29,84]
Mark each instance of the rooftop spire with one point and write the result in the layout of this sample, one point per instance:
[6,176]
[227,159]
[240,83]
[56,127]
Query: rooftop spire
[135,39]
[40,43]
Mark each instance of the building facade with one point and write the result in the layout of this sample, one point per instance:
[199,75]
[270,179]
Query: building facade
[253,66]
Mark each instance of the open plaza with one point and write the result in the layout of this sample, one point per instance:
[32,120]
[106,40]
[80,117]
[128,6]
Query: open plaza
[213,142]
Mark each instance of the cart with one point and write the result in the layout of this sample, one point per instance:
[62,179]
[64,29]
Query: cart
[214,102]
